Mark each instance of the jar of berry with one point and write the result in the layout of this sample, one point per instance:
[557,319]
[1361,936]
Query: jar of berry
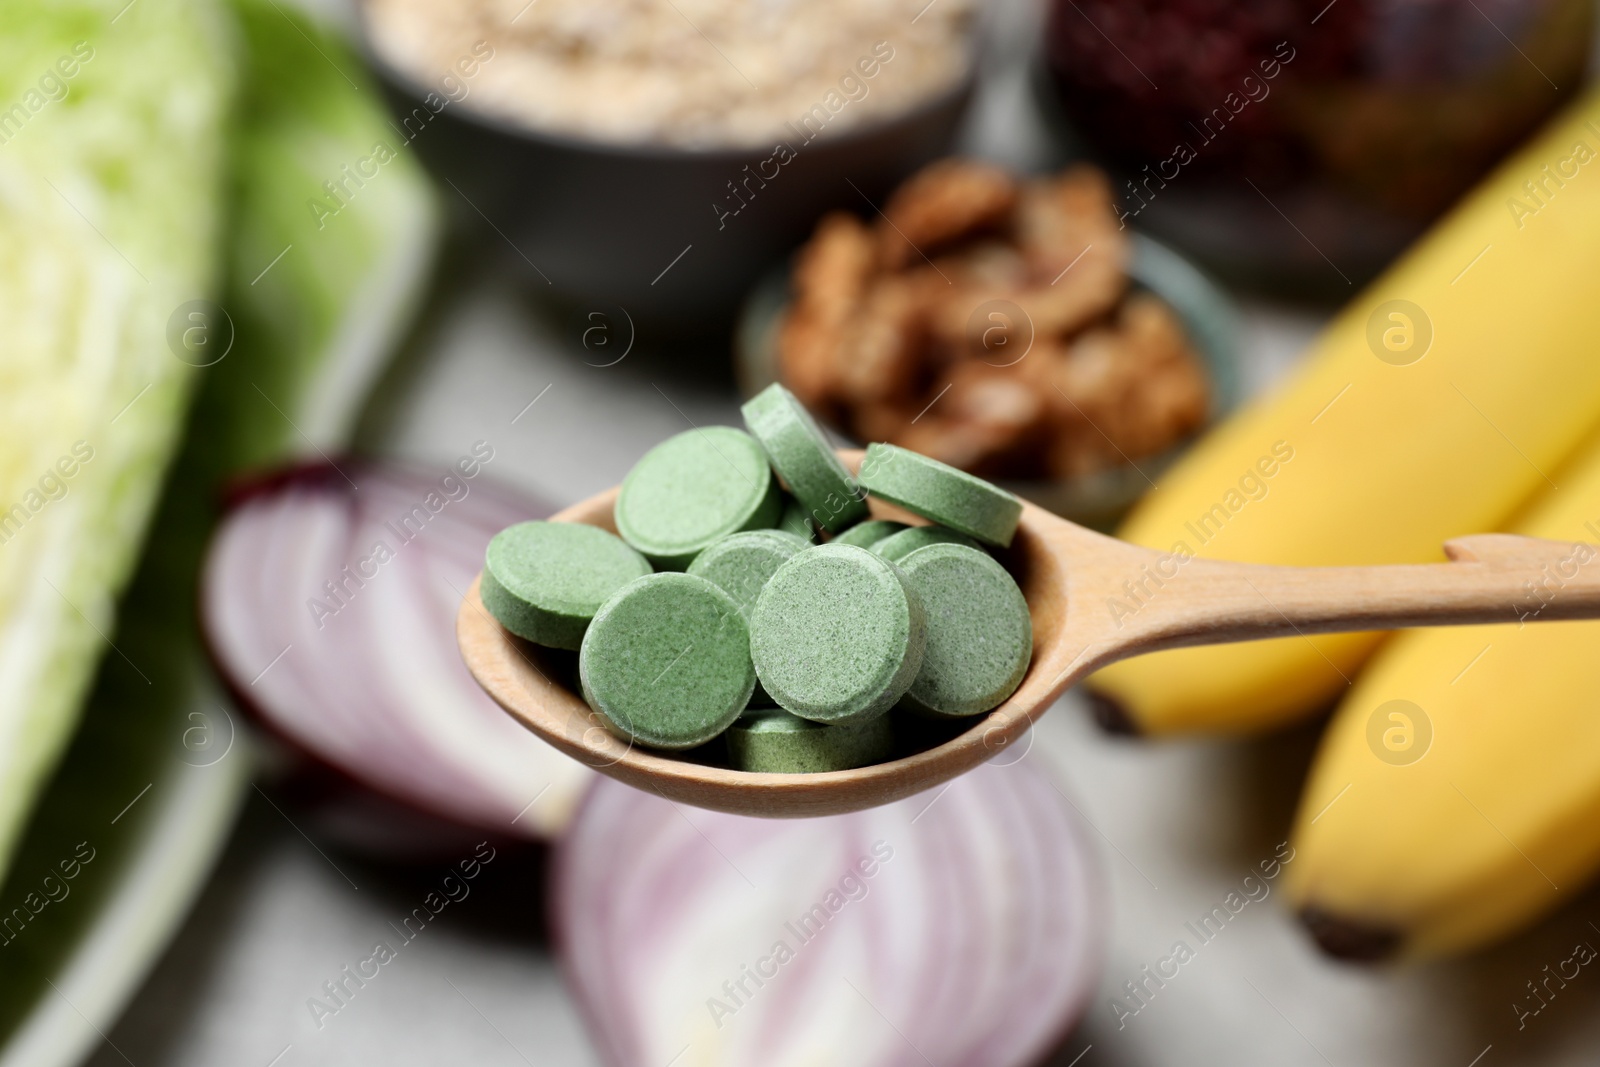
[1301,146]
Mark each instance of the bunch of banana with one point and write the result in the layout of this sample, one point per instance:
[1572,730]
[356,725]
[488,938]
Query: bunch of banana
[1426,411]
[1458,785]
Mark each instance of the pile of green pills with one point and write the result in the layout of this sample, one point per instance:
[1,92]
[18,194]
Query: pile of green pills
[721,615]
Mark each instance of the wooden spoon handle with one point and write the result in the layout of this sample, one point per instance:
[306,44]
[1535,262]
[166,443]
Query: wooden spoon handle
[1492,578]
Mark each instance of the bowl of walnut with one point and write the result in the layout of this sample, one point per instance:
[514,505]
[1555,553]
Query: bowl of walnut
[1007,326]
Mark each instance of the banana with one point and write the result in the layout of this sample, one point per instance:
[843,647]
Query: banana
[1427,410]
[1458,785]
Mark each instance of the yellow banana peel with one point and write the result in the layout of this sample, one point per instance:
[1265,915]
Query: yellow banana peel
[1456,795]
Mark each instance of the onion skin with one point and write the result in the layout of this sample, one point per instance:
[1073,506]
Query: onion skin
[375,688]
[974,941]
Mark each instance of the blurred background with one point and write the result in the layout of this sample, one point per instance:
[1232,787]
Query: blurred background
[1279,282]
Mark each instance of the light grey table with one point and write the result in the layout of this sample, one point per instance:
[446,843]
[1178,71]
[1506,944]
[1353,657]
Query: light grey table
[1178,824]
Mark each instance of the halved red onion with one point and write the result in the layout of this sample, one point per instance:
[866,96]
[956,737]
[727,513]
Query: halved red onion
[962,928]
[329,600]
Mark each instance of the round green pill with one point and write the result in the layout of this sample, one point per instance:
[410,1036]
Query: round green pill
[940,493]
[666,661]
[803,459]
[741,564]
[866,534]
[773,741]
[544,581]
[837,635]
[694,488]
[980,638]
[898,546]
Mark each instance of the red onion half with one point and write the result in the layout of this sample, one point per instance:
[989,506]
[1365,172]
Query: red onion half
[329,599]
[962,928]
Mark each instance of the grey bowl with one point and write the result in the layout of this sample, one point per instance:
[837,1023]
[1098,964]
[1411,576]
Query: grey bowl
[1100,499]
[637,225]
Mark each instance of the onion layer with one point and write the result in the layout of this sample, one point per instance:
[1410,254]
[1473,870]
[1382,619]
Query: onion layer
[961,928]
[329,599]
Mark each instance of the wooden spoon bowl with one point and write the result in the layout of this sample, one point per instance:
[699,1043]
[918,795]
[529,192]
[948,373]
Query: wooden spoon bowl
[1093,599]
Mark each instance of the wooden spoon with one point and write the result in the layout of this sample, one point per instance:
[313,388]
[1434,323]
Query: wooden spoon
[1071,578]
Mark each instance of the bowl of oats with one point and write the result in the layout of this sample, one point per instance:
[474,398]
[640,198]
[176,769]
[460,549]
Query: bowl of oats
[659,156]
[1006,325]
